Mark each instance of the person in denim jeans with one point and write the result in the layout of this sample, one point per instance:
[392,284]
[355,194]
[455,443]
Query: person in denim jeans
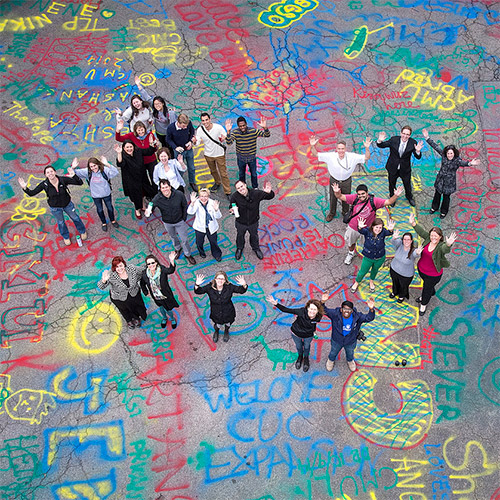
[98,175]
[346,323]
[59,199]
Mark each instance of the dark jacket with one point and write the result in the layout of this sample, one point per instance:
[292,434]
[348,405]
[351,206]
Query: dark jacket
[438,255]
[169,301]
[179,138]
[173,209]
[303,326]
[337,323]
[55,198]
[394,160]
[446,180]
[374,246]
[249,206]
[134,175]
[222,309]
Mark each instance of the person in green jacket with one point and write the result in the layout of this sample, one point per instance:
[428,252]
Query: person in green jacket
[432,260]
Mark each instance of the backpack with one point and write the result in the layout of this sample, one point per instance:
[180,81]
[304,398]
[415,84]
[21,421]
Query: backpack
[350,215]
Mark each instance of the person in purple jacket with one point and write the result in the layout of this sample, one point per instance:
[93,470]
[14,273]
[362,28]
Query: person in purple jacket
[346,323]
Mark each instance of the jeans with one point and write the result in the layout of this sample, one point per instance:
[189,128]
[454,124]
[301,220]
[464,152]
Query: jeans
[167,313]
[252,166]
[336,347]
[212,238]
[179,234]
[100,209]
[303,345]
[58,214]
[188,157]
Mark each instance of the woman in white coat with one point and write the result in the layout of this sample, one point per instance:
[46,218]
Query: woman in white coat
[206,212]
[169,169]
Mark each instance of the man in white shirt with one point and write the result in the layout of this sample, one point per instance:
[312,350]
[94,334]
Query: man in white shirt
[341,165]
[212,135]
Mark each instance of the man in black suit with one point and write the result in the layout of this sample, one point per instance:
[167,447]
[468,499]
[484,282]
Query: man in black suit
[399,162]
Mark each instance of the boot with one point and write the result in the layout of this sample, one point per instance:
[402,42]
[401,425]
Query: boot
[215,336]
[226,334]
[298,363]
[306,364]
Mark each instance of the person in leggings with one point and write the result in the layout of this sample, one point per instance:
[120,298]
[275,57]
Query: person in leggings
[432,260]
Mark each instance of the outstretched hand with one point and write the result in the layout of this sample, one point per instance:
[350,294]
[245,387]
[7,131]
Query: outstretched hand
[229,125]
[367,142]
[193,196]
[263,122]
[71,172]
[419,146]
[313,140]
[272,300]
[171,256]
[451,239]
[396,233]
[200,278]
[267,187]
[425,133]
[398,191]
[240,279]
[22,183]
[419,250]
[74,163]
[381,136]
[336,187]
[412,220]
[216,205]
[118,148]
[104,160]
[370,303]
[391,224]
[137,81]
[106,275]
[325,296]
[361,223]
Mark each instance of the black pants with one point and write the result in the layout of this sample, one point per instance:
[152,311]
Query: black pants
[406,178]
[400,284]
[212,239]
[436,201]
[429,288]
[132,307]
[345,188]
[241,230]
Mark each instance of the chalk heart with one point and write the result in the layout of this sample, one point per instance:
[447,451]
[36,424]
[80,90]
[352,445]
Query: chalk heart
[451,292]
[107,14]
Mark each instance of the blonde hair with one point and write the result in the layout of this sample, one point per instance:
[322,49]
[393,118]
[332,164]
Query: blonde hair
[204,190]
[183,118]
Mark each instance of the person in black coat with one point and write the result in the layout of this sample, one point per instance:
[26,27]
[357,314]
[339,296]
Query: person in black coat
[399,161]
[135,181]
[154,281]
[303,327]
[220,291]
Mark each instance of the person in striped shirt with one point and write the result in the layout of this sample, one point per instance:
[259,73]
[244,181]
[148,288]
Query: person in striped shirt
[246,146]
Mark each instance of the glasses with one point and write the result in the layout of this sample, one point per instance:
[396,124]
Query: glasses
[151,263]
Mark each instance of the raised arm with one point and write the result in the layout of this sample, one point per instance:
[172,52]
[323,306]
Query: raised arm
[313,140]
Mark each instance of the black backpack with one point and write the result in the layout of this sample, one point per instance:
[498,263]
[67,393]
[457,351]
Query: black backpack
[350,214]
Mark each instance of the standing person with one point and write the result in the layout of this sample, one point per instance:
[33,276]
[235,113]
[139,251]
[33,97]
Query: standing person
[99,174]
[341,165]
[138,111]
[143,139]
[446,179]
[206,212]
[399,161]
[303,327]
[125,291]
[346,323]
[245,205]
[373,250]
[162,116]
[170,169]
[220,292]
[135,182]
[432,260]
[173,208]
[403,265]
[181,137]
[364,206]
[59,199]
[154,281]
[212,135]
[246,146]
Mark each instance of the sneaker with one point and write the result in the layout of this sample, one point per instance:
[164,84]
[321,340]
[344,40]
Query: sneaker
[84,236]
[329,217]
[67,242]
[352,365]
[329,365]
[348,258]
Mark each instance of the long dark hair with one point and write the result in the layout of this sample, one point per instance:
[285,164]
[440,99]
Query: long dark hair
[165,109]
[145,104]
[99,163]
[128,141]
[412,246]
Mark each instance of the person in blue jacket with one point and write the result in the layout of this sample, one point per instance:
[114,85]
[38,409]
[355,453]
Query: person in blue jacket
[346,323]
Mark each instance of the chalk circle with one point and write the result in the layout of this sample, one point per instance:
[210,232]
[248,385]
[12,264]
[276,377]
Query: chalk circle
[107,14]
[489,381]
[147,79]
[96,330]
[73,71]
